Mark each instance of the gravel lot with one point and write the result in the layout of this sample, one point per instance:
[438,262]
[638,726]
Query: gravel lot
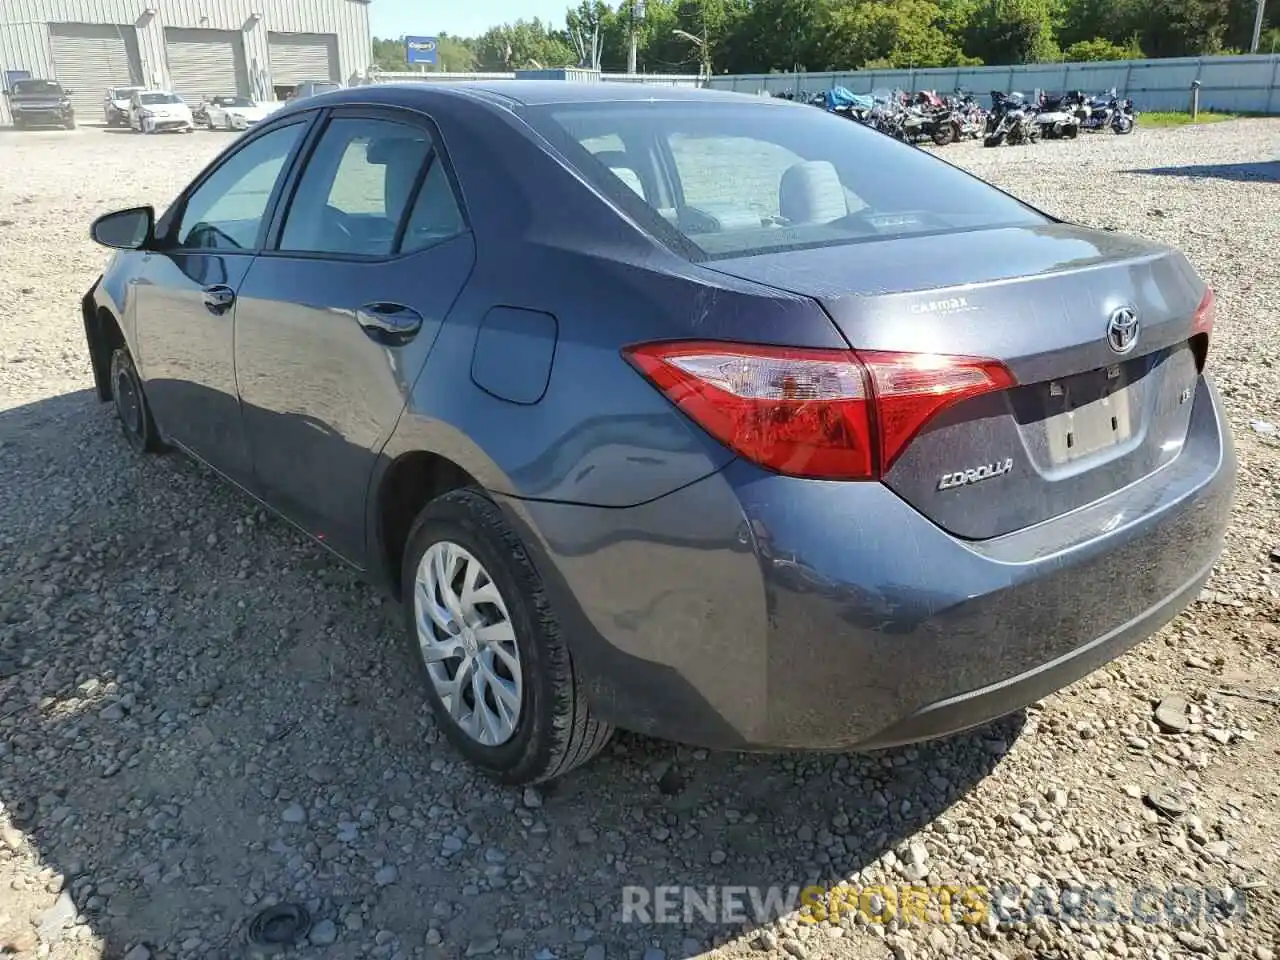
[201,713]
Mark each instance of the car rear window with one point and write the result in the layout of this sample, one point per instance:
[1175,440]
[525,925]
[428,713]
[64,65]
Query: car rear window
[28,88]
[735,179]
[159,98]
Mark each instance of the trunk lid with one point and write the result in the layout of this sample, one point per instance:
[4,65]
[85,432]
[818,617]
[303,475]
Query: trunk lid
[1085,419]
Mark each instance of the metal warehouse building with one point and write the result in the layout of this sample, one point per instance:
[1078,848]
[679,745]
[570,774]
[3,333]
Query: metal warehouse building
[194,47]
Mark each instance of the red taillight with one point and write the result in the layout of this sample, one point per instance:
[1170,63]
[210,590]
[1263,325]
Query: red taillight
[1205,313]
[829,414]
[1202,327]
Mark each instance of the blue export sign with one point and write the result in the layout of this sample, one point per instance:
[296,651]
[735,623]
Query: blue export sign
[421,49]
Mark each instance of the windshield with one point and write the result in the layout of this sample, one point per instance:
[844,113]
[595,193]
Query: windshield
[28,88]
[159,98]
[238,102]
[764,175]
[123,93]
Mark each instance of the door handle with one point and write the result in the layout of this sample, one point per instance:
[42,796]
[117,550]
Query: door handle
[390,324]
[218,298]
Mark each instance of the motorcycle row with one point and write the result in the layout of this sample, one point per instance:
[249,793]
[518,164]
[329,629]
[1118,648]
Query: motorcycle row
[1012,118]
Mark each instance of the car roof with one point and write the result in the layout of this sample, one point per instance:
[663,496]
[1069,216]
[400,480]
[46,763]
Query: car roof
[535,92]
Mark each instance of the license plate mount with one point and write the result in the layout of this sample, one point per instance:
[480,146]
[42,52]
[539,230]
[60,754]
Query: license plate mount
[1090,424]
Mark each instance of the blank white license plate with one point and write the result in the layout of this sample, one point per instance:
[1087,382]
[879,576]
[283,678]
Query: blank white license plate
[1090,427]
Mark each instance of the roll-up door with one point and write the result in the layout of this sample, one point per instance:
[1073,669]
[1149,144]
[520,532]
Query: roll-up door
[205,63]
[90,57]
[302,56]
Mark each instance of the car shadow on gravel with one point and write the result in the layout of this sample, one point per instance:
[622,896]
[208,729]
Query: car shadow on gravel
[1263,171]
[202,713]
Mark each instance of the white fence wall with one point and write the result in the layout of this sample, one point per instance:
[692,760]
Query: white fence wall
[1248,84]
[660,79]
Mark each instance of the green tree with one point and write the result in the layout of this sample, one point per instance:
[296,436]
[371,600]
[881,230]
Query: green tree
[1012,31]
[1100,49]
[522,45]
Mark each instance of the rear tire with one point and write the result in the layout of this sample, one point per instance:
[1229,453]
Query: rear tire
[132,409]
[944,134]
[993,141]
[552,730]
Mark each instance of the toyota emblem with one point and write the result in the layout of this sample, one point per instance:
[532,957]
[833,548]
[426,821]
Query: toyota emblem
[1122,329]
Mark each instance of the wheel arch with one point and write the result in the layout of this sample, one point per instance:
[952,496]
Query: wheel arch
[406,485]
[105,335]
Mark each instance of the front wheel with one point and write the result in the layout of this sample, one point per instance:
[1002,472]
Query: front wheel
[488,647]
[944,134]
[1122,125]
[131,404]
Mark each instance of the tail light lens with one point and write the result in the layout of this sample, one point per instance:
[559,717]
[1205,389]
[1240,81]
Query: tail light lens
[829,414]
[1202,326]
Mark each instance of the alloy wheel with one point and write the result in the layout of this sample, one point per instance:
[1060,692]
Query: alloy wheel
[468,642]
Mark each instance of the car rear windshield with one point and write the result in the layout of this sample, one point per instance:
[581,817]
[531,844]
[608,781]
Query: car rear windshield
[123,93]
[238,102]
[160,98]
[735,179]
[28,88]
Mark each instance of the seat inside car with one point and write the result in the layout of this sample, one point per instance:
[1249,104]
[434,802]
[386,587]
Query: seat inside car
[811,193]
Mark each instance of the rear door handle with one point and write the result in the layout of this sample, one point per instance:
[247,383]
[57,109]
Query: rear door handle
[219,298]
[391,324]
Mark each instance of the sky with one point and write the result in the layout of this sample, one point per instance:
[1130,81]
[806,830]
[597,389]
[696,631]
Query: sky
[426,18]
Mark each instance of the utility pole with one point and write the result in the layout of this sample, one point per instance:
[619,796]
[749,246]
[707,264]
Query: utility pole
[637,15]
[1257,27]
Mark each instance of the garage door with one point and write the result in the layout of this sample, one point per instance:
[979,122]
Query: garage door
[205,63]
[89,57]
[302,56]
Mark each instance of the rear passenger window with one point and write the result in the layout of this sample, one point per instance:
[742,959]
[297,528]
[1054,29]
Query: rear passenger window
[435,215]
[356,188]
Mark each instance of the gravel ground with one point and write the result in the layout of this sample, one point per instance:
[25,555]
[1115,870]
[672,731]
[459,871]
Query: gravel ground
[202,714]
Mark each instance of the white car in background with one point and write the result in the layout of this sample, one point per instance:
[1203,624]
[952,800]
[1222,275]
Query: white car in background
[238,113]
[158,111]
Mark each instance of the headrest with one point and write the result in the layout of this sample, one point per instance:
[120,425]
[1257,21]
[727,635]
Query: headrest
[811,192]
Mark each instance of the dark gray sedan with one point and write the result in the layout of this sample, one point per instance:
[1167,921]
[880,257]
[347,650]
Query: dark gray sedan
[713,417]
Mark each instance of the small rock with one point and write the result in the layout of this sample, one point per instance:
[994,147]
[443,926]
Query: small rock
[718,857]
[1167,801]
[111,712]
[594,952]
[795,948]
[653,953]
[1173,715]
[386,876]
[532,798]
[294,814]
[1265,427]
[765,940]
[139,952]
[482,945]
[1056,796]
[324,933]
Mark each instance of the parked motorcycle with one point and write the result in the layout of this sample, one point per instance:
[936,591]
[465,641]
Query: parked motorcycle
[1110,111]
[1010,121]
[1056,118]
[972,119]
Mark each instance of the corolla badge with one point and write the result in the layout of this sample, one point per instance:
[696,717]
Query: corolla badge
[962,478]
[1122,329]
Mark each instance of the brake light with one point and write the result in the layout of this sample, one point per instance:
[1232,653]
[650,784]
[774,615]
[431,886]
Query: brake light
[1202,327]
[828,414]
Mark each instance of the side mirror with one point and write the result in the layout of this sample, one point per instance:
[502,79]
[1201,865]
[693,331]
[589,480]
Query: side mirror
[131,229]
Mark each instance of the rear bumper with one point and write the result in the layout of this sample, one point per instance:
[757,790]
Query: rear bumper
[750,611]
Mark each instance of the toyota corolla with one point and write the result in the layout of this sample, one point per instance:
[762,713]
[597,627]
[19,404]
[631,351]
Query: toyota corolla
[713,417]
